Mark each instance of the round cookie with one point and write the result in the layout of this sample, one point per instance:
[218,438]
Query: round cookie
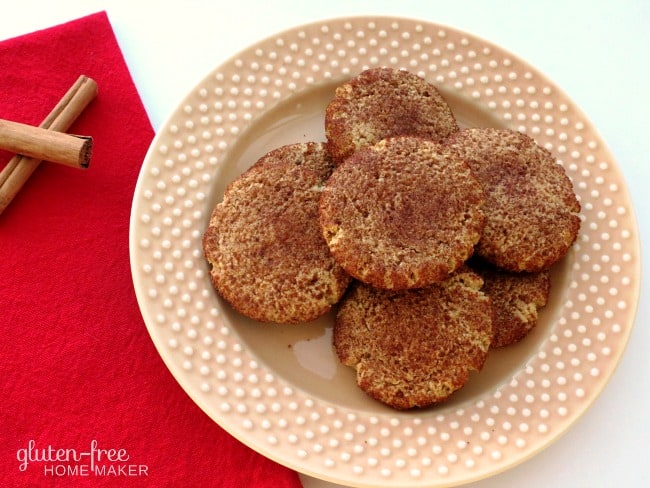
[312,155]
[385,102]
[414,348]
[268,257]
[401,214]
[516,300]
[531,208]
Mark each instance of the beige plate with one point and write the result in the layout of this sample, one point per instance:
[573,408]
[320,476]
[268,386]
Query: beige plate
[280,389]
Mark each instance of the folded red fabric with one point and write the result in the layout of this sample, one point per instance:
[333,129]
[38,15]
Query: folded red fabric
[86,400]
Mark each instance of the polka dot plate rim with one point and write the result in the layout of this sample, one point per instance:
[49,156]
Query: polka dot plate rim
[280,389]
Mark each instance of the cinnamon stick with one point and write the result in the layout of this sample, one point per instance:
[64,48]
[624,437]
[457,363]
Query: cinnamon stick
[16,173]
[44,144]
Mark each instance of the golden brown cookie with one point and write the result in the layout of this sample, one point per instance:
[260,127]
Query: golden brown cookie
[312,155]
[268,257]
[385,102]
[414,348]
[516,299]
[531,208]
[401,214]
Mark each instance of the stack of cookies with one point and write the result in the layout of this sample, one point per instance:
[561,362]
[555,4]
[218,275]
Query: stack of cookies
[434,242]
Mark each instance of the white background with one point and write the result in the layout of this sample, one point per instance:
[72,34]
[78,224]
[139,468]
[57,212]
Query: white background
[596,51]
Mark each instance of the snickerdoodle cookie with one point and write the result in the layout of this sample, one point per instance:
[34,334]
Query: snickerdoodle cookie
[312,155]
[385,102]
[516,300]
[401,214]
[531,207]
[414,348]
[268,257]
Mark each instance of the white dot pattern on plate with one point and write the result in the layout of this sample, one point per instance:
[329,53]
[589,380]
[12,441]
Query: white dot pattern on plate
[485,434]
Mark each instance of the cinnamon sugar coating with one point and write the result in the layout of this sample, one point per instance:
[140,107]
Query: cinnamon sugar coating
[531,208]
[414,348]
[385,102]
[516,300]
[401,214]
[268,258]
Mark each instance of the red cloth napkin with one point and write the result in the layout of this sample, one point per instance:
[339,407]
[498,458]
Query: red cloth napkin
[78,371]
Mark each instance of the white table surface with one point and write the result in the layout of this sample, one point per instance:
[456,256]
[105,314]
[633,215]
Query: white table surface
[596,51]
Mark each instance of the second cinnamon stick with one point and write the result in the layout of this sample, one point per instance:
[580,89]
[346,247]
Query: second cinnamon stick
[47,145]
